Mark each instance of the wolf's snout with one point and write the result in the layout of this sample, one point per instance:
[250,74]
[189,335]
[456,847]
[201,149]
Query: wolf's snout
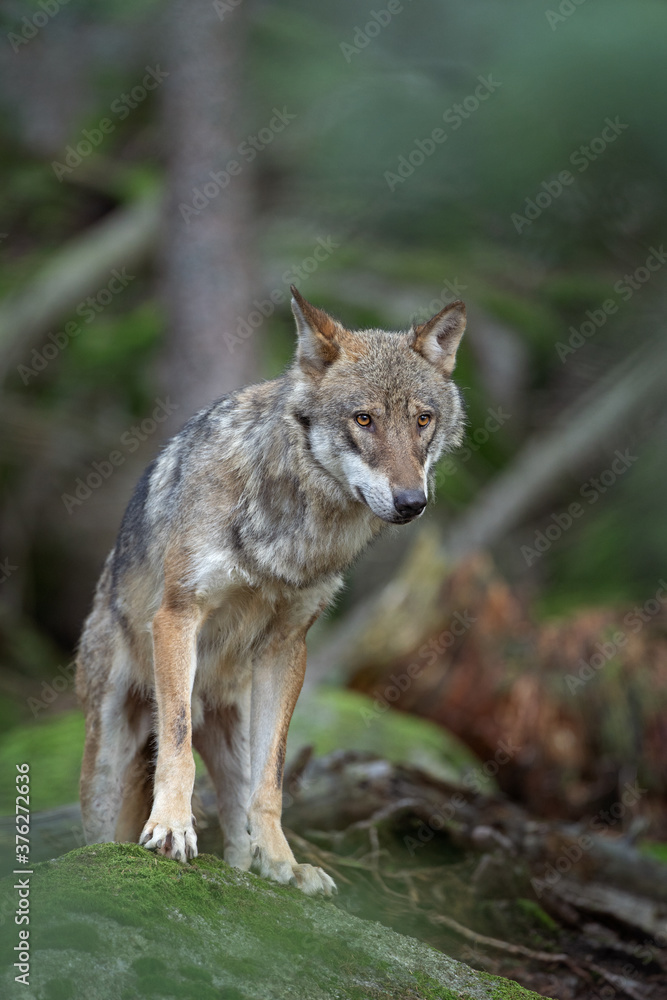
[409,503]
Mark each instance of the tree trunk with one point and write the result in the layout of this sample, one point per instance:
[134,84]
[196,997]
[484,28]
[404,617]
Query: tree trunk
[205,258]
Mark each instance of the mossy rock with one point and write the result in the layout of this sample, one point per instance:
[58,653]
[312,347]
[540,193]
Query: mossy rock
[331,718]
[113,920]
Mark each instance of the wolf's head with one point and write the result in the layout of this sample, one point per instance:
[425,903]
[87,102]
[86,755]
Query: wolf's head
[379,408]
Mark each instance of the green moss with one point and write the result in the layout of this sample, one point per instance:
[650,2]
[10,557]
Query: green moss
[335,719]
[59,989]
[128,885]
[506,989]
[195,973]
[162,984]
[536,913]
[205,930]
[69,934]
[148,966]
[430,989]
[155,979]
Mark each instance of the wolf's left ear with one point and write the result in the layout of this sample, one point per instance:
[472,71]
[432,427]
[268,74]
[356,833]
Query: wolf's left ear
[318,335]
[438,339]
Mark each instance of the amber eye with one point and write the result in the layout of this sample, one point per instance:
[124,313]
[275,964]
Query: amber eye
[363,419]
[424,419]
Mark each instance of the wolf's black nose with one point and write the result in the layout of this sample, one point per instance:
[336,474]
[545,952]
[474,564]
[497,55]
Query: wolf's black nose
[409,503]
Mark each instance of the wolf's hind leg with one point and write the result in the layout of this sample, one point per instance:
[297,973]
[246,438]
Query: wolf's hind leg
[137,793]
[115,732]
[222,739]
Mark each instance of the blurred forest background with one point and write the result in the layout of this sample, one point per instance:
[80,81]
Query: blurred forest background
[169,168]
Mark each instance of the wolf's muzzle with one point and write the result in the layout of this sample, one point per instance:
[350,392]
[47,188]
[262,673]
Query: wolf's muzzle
[409,503]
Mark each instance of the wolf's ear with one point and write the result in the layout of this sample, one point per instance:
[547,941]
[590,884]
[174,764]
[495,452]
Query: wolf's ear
[437,340]
[318,334]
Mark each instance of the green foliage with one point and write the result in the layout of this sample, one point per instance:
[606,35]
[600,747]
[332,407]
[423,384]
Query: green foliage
[536,914]
[53,748]
[616,552]
[654,849]
[115,350]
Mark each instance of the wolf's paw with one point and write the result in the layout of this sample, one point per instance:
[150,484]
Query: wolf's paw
[173,840]
[238,856]
[313,881]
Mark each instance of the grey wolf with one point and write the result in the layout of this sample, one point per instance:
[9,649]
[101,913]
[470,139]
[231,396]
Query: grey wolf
[234,542]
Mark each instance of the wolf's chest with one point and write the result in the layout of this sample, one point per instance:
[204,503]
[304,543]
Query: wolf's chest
[241,627]
[305,549]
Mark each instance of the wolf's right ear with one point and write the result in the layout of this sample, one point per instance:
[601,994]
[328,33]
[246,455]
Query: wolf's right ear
[318,335]
[438,339]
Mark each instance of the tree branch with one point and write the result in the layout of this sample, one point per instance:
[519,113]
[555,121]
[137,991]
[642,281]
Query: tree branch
[122,239]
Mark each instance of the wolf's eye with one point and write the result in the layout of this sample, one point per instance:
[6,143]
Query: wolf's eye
[424,419]
[363,419]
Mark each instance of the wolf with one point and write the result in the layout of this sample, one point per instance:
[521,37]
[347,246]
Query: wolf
[233,543]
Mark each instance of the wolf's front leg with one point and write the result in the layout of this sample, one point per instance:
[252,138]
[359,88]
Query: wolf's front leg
[170,827]
[277,677]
